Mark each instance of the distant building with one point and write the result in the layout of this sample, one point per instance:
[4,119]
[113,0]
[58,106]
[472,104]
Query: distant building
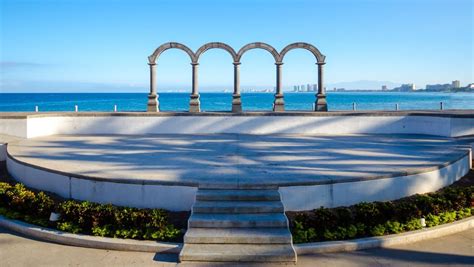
[315,87]
[384,88]
[438,87]
[408,87]
[456,84]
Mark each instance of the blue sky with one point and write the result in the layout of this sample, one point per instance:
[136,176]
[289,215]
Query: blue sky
[103,45]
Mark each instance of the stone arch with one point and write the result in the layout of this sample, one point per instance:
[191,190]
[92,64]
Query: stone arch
[152,59]
[311,48]
[260,45]
[213,45]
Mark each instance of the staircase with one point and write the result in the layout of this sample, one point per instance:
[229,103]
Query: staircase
[238,225]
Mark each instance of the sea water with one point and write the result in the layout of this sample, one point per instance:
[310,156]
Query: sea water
[223,101]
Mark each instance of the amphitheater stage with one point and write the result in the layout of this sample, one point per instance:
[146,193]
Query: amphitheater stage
[165,170]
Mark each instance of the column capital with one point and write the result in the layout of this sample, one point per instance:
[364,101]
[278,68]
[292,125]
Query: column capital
[279,63]
[321,63]
[194,63]
[236,63]
[151,64]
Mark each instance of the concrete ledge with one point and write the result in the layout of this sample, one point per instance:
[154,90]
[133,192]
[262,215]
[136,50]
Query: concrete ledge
[385,241]
[55,236]
[433,113]
[452,123]
[64,238]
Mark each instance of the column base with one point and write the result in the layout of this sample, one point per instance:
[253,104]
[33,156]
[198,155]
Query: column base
[321,103]
[194,104]
[153,105]
[279,103]
[236,103]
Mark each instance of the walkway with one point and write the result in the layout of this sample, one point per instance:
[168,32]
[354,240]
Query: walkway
[453,250]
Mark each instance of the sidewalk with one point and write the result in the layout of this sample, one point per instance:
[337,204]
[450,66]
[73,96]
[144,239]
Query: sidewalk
[453,250]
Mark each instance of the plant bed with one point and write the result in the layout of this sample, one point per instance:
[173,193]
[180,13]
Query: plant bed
[35,207]
[362,220]
[382,218]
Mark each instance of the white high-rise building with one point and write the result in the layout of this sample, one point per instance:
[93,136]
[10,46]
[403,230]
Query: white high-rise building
[456,84]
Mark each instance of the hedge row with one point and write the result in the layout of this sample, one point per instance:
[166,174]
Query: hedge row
[17,202]
[380,218]
[361,220]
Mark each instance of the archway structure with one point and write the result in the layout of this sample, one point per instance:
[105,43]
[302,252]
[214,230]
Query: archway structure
[278,104]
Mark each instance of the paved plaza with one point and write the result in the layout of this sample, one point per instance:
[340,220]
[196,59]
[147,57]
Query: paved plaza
[453,250]
[237,158]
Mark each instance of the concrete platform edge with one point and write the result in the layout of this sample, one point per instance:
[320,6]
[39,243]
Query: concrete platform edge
[60,237]
[46,234]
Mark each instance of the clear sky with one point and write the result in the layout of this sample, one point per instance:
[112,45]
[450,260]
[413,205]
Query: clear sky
[82,45]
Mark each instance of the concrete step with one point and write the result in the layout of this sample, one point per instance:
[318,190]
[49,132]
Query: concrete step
[238,236]
[244,220]
[238,195]
[236,186]
[238,253]
[238,207]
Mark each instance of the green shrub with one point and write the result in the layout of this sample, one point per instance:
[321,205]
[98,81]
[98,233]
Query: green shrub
[105,230]
[378,218]
[447,217]
[18,202]
[413,224]
[432,220]
[122,222]
[351,232]
[463,213]
[377,230]
[69,227]
[393,227]
[301,235]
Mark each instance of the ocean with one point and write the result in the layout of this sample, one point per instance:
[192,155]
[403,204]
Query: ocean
[222,101]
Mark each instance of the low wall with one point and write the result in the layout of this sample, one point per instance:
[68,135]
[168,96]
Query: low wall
[294,198]
[30,125]
[308,197]
[175,198]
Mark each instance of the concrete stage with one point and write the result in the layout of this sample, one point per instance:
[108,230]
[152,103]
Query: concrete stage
[310,171]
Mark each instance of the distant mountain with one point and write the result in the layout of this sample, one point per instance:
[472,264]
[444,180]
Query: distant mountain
[362,85]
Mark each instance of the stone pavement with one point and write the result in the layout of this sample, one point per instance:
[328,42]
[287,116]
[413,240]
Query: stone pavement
[453,250]
[237,158]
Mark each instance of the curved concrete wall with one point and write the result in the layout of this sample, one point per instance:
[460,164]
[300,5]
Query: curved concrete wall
[175,198]
[298,198]
[294,198]
[440,124]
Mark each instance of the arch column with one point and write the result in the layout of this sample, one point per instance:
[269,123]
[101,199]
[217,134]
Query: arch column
[279,103]
[194,103]
[153,104]
[321,103]
[236,99]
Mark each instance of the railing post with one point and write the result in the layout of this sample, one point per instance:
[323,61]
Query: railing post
[153,103]
[321,103]
[279,103]
[236,99]
[194,103]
